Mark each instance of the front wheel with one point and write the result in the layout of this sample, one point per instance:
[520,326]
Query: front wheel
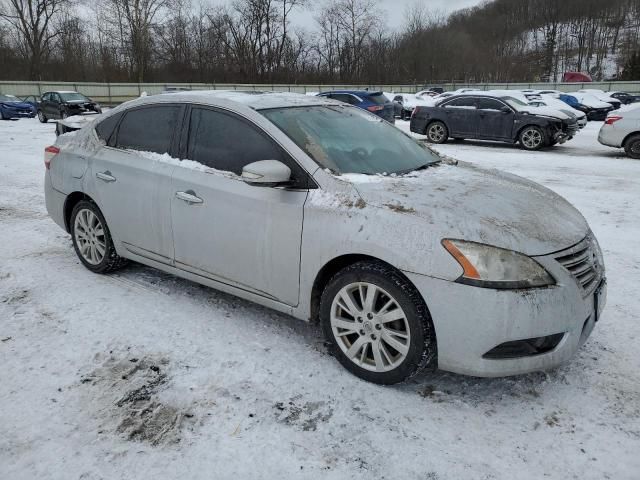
[42,117]
[632,146]
[532,138]
[92,239]
[376,323]
[437,132]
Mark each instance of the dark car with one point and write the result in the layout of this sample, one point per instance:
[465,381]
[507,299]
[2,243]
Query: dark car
[55,105]
[625,98]
[484,117]
[13,107]
[595,109]
[374,102]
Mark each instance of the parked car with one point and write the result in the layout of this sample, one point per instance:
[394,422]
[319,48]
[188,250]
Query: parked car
[63,104]
[500,118]
[427,94]
[553,101]
[33,100]
[12,107]
[404,104]
[603,96]
[622,130]
[594,108]
[625,98]
[374,102]
[282,199]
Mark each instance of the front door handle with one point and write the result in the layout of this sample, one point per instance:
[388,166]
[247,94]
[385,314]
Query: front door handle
[189,196]
[106,176]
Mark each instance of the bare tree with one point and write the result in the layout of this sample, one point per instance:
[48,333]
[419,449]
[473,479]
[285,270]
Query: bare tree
[32,21]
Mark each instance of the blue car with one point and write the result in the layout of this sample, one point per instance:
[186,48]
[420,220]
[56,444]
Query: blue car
[13,107]
[374,102]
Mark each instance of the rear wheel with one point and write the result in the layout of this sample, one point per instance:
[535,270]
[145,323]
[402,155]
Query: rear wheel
[532,138]
[437,132]
[42,117]
[632,146]
[92,239]
[376,323]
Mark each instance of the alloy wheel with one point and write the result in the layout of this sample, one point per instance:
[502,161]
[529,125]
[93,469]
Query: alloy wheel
[90,237]
[531,138]
[370,327]
[436,133]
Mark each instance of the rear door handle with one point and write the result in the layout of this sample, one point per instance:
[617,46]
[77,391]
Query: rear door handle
[106,176]
[189,196]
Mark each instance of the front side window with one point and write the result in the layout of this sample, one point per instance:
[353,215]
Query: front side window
[350,140]
[490,104]
[148,129]
[227,142]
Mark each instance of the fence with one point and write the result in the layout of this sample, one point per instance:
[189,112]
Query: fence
[114,93]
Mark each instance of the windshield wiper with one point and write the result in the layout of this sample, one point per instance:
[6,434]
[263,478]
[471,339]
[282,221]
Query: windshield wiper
[421,167]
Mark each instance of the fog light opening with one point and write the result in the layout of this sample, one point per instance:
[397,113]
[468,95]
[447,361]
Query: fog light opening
[524,348]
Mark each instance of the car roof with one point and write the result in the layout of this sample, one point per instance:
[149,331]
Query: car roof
[355,92]
[256,100]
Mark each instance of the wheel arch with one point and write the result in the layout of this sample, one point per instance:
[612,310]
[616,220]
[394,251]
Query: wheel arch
[333,266]
[628,137]
[433,120]
[70,202]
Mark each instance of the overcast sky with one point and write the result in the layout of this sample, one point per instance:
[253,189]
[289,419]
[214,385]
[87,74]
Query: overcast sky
[394,10]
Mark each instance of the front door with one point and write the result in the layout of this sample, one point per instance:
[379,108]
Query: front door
[496,119]
[132,180]
[224,229]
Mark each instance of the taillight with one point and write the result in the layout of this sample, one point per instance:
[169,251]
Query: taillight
[375,108]
[612,119]
[415,109]
[49,153]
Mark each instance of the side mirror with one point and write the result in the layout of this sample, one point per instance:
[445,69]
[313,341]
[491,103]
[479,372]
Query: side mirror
[266,173]
[505,109]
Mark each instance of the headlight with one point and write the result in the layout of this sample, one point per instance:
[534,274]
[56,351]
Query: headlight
[493,267]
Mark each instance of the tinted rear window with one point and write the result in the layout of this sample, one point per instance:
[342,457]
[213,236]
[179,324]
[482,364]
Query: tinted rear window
[148,129]
[379,99]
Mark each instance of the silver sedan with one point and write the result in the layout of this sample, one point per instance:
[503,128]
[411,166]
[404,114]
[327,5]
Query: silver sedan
[328,213]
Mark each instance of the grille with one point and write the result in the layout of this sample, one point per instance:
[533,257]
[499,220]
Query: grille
[582,262]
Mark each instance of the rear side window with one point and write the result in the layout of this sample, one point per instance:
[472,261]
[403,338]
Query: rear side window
[345,97]
[106,127]
[461,103]
[378,99]
[148,129]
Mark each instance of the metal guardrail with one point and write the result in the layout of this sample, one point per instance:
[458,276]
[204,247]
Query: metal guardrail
[114,93]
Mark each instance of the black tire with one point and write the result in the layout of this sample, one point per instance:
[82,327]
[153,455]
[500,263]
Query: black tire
[42,117]
[437,132]
[422,346]
[532,138]
[632,146]
[111,261]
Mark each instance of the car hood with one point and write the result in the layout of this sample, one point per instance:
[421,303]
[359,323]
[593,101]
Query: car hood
[487,206]
[548,112]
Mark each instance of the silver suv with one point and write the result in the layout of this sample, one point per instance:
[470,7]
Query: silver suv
[326,212]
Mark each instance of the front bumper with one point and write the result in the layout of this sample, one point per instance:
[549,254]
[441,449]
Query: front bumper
[471,321]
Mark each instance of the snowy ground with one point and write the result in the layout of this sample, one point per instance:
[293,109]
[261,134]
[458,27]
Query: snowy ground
[143,375]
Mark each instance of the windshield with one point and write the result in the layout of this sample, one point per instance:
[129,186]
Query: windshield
[514,102]
[8,98]
[73,96]
[349,140]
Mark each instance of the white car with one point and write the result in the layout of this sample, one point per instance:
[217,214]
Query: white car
[621,129]
[602,96]
[550,100]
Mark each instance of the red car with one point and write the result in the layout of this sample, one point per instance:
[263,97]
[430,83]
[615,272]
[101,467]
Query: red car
[576,77]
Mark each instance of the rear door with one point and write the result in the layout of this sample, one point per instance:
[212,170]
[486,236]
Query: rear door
[462,117]
[496,119]
[241,235]
[132,179]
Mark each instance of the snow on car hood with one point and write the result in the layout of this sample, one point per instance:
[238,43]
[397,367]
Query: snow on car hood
[547,112]
[487,206]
